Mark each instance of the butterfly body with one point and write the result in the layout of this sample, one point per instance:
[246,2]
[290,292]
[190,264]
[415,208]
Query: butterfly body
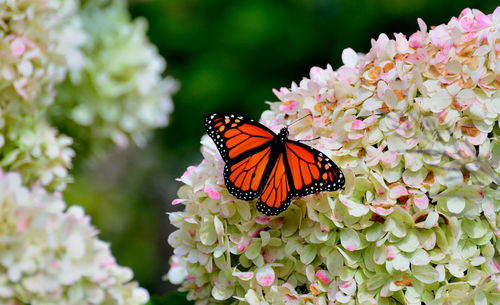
[262,164]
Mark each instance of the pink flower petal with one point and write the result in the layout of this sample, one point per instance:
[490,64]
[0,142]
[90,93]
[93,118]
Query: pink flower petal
[322,276]
[398,191]
[17,47]
[289,106]
[440,36]
[350,248]
[389,157]
[422,202]
[357,125]
[415,41]
[346,284]
[384,212]
[265,276]
[245,276]
[190,220]
[477,140]
[262,220]
[177,201]
[243,244]
[390,253]
[211,192]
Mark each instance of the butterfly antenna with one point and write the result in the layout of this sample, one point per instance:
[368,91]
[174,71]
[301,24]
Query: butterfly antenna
[299,119]
[317,138]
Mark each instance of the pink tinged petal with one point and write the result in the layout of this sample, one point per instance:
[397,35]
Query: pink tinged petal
[189,170]
[389,157]
[322,276]
[422,202]
[357,125]
[177,201]
[22,225]
[481,20]
[390,253]
[245,276]
[17,47]
[466,23]
[422,25]
[348,287]
[347,203]
[401,43]
[108,263]
[289,106]
[20,86]
[415,41]
[256,232]
[355,135]
[398,191]
[440,36]
[349,239]
[477,140]
[270,255]
[265,276]
[384,212]
[350,248]
[323,228]
[190,220]
[495,265]
[211,192]
[262,220]
[346,284]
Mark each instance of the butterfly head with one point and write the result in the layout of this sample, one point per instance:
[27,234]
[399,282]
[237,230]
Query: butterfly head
[283,135]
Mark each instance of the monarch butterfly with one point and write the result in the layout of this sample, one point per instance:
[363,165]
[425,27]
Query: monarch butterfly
[260,163]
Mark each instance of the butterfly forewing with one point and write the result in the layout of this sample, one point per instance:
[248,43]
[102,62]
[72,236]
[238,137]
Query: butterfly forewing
[310,170]
[236,135]
[245,146]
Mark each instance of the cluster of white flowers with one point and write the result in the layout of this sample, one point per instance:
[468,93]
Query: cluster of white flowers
[34,59]
[414,125]
[119,95]
[49,255]
[52,256]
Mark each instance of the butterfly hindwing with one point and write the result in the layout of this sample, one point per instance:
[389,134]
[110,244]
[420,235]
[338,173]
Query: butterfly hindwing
[275,196]
[245,147]
[244,178]
[310,170]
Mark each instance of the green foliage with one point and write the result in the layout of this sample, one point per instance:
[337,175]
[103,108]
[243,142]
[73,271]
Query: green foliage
[174,298]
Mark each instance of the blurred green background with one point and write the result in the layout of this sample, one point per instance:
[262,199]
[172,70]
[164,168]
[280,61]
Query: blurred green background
[227,55]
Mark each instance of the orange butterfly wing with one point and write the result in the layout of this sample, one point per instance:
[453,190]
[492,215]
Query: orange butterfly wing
[276,196]
[311,171]
[245,146]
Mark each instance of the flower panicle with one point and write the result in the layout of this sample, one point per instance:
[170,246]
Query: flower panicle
[414,126]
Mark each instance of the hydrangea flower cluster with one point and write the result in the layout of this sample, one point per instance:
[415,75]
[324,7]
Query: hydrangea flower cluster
[52,256]
[414,125]
[119,94]
[35,46]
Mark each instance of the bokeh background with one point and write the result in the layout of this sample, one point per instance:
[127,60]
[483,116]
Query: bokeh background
[227,56]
